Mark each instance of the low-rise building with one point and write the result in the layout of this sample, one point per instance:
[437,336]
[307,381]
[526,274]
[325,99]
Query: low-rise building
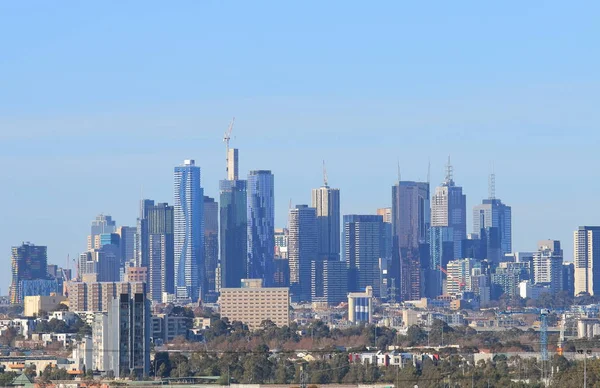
[168,327]
[360,306]
[34,304]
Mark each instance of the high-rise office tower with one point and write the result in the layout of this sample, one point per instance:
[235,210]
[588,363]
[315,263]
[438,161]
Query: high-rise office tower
[127,243]
[568,278]
[233,224]
[329,282]
[493,213]
[281,243]
[362,240]
[448,226]
[211,247]
[548,265]
[326,201]
[448,210]
[29,262]
[100,264]
[586,251]
[261,229]
[302,250]
[159,231]
[102,224]
[386,213]
[281,264]
[189,231]
[141,236]
[410,226]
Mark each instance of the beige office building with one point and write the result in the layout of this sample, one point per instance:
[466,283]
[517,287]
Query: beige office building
[96,296]
[252,304]
[34,304]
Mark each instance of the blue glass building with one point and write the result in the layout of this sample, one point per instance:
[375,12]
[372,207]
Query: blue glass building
[40,287]
[189,231]
[261,226]
[363,245]
[234,228]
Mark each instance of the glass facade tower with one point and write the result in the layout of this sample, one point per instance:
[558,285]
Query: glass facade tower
[261,225]
[189,231]
[233,225]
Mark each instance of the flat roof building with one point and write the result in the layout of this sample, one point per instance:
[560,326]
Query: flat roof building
[252,304]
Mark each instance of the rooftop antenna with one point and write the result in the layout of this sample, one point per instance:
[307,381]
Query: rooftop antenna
[399,174]
[428,176]
[449,172]
[226,139]
[324,175]
[492,184]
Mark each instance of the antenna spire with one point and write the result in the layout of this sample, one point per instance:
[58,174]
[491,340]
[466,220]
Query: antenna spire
[428,170]
[325,180]
[226,139]
[449,172]
[399,173]
[492,184]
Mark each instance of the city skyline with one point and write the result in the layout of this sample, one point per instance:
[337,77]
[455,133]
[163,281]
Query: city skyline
[364,88]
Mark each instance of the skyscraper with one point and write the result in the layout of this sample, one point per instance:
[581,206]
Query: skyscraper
[410,226]
[102,224]
[211,247]
[329,282]
[159,225]
[189,231]
[127,243]
[448,225]
[261,220]
[100,264]
[448,210]
[362,240]
[29,262]
[141,236]
[326,201]
[302,245]
[281,243]
[233,224]
[386,213]
[493,213]
[586,251]
[548,265]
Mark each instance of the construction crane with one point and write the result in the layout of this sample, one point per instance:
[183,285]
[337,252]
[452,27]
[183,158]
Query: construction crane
[461,284]
[226,139]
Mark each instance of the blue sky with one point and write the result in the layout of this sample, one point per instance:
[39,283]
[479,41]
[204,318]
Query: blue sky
[99,100]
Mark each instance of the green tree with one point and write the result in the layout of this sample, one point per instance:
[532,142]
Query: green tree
[257,366]
[415,335]
[8,336]
[6,378]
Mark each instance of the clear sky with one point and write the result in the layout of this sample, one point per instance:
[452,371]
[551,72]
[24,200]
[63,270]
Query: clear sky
[100,100]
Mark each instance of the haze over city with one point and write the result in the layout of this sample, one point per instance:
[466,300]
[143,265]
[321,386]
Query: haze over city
[98,104]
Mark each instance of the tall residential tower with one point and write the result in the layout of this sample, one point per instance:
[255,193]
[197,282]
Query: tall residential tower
[189,231]
[302,250]
[586,251]
[326,201]
[261,225]
[233,224]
